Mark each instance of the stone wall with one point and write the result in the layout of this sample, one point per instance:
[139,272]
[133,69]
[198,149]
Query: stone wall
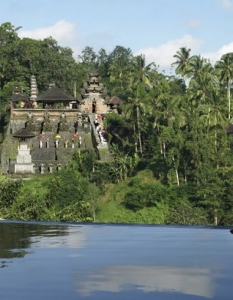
[51,155]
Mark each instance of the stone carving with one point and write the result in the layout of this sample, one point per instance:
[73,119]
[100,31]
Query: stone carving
[30,124]
[50,168]
[42,167]
[46,124]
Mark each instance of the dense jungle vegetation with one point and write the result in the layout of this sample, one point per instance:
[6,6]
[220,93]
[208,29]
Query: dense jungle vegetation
[172,156]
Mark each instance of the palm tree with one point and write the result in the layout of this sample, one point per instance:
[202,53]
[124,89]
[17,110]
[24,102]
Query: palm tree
[224,68]
[136,107]
[140,71]
[117,73]
[203,80]
[213,115]
[182,62]
[119,67]
[197,66]
[140,80]
[122,163]
[171,112]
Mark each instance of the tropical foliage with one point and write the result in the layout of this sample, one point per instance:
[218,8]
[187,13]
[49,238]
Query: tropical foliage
[172,157]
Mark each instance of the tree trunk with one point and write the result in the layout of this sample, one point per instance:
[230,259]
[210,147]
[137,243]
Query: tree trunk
[177,174]
[139,133]
[136,143]
[164,150]
[75,90]
[215,220]
[177,177]
[229,97]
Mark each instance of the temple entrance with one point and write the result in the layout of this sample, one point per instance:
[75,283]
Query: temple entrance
[93,107]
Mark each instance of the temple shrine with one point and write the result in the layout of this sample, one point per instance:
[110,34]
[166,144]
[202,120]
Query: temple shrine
[93,98]
[58,124]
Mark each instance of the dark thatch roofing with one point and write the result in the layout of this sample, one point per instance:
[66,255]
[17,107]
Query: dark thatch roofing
[19,97]
[115,100]
[229,129]
[54,94]
[23,133]
[18,93]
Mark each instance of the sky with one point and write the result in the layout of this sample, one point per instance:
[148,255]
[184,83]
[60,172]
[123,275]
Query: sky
[155,28]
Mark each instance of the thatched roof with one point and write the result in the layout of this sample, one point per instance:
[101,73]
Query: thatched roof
[115,100]
[229,129]
[18,94]
[54,94]
[19,97]
[23,133]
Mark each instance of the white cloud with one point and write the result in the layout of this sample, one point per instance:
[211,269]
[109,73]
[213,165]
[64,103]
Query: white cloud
[226,3]
[214,56]
[188,281]
[63,32]
[67,35]
[163,54]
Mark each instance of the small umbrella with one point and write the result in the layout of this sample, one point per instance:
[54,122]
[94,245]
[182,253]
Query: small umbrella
[57,136]
[75,135]
[41,137]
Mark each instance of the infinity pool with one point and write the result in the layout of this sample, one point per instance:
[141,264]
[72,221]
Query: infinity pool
[77,261]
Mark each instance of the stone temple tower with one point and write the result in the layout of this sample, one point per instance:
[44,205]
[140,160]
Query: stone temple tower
[93,98]
[34,91]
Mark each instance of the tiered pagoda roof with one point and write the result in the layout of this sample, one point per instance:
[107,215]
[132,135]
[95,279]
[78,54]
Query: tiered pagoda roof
[18,94]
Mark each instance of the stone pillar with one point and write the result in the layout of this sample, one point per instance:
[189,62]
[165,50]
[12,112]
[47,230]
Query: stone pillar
[33,97]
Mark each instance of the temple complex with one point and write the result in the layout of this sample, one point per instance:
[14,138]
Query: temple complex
[57,124]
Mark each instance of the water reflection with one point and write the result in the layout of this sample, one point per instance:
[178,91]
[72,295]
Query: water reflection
[16,238]
[71,237]
[190,281]
[77,261]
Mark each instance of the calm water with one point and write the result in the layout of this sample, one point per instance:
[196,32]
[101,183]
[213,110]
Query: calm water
[74,261]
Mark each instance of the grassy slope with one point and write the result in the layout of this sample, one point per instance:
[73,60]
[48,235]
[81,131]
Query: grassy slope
[112,210]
